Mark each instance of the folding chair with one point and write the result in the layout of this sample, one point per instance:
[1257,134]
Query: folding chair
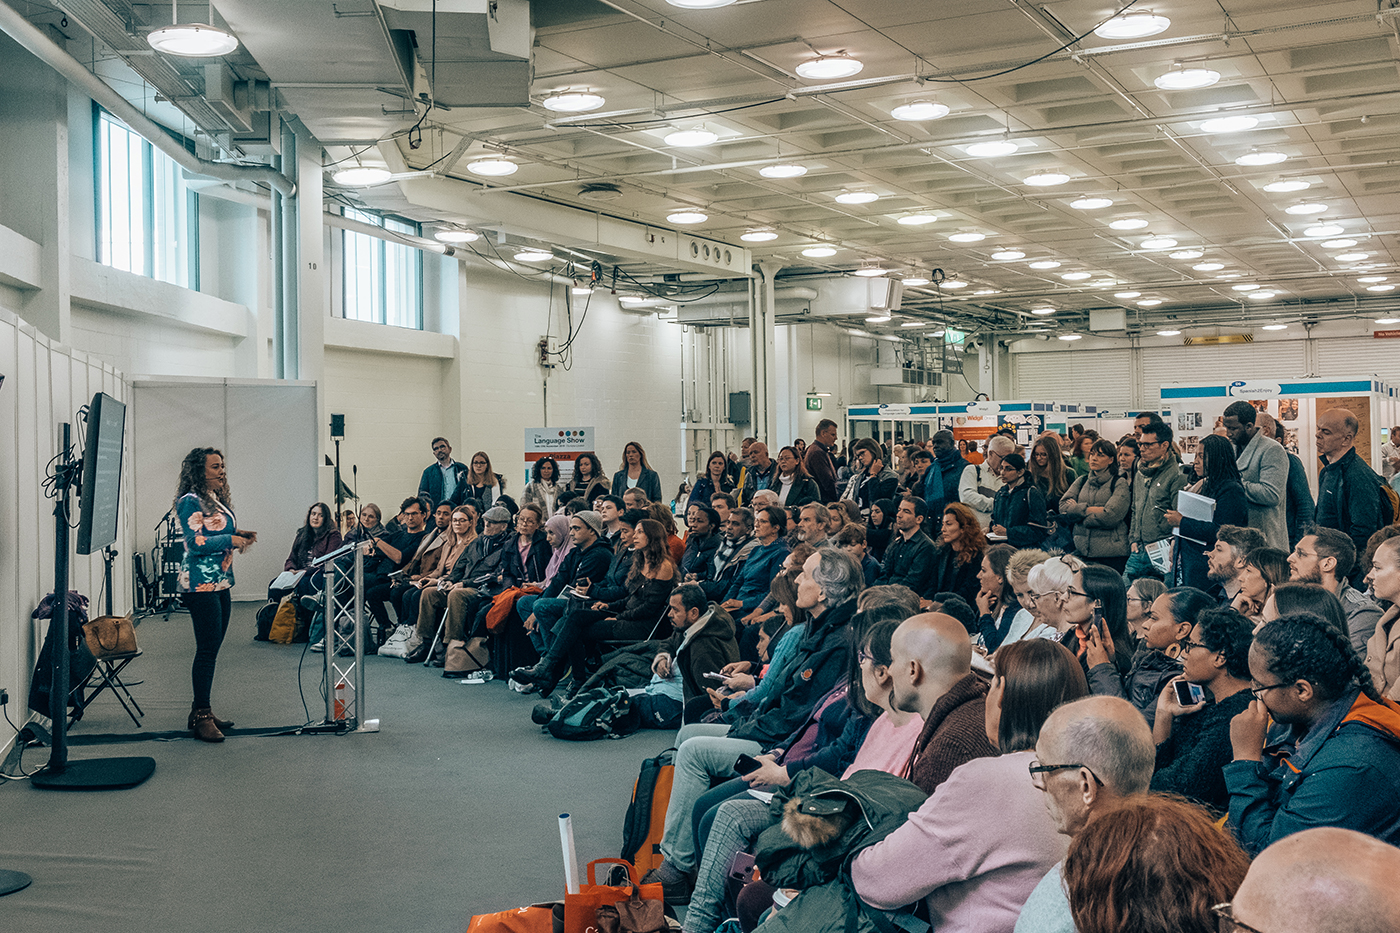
[107,675]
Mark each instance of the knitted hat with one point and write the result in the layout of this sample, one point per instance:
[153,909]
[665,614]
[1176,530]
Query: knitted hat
[592,519]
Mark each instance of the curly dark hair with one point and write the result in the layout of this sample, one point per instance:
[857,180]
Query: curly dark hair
[1307,647]
[539,470]
[192,479]
[1229,634]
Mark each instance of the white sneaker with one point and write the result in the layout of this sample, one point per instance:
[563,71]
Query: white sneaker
[319,647]
[518,687]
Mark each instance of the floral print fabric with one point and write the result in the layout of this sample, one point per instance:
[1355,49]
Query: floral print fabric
[208,563]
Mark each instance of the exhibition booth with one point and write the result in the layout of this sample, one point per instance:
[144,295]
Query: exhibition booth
[974,421]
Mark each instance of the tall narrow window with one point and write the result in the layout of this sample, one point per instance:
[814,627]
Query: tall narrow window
[147,217]
[382,280]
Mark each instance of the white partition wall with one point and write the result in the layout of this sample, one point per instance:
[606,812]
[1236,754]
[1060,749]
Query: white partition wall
[267,431]
[45,384]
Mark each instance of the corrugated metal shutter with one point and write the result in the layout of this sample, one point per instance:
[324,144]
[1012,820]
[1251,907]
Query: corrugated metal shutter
[1351,357]
[1093,377]
[1276,360]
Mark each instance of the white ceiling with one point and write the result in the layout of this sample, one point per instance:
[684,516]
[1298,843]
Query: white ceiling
[1321,79]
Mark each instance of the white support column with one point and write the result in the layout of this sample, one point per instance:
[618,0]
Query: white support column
[763,341]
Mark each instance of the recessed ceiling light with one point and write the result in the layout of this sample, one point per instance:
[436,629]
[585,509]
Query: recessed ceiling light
[967,237]
[1186,79]
[1276,327]
[1047,179]
[871,271]
[1090,204]
[1149,302]
[912,280]
[917,220]
[1042,311]
[1323,230]
[1388,320]
[818,252]
[1046,264]
[361,176]
[1285,186]
[689,139]
[920,110]
[687,217]
[857,197]
[533,255]
[829,67]
[1135,25]
[457,236]
[1255,157]
[878,319]
[1340,244]
[492,167]
[573,102]
[914,324]
[1208,266]
[990,150]
[1071,336]
[1244,287]
[700,4]
[192,40]
[1168,333]
[1129,223]
[1187,254]
[758,236]
[1076,276]
[786,170]
[1127,294]
[1305,209]
[1380,288]
[1263,296]
[1350,257]
[1009,254]
[954,283]
[1158,243]
[985,291]
[1229,124]
[1371,279]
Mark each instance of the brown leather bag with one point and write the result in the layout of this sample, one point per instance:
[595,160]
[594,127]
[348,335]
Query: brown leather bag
[110,635]
[463,657]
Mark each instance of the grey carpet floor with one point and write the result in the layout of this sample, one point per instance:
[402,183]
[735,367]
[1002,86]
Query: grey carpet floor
[450,810]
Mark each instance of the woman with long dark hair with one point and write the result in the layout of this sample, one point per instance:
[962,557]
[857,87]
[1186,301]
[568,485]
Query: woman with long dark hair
[543,489]
[879,527]
[636,473]
[1097,503]
[958,557]
[205,509]
[1052,475]
[589,480]
[795,488]
[1220,480]
[996,604]
[716,479]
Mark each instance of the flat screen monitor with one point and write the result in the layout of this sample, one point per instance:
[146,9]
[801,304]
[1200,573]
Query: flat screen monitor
[102,473]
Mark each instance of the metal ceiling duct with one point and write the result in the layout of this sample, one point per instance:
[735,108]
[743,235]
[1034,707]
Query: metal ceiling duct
[481,48]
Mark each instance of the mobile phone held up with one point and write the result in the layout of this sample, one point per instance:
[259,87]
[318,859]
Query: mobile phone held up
[1187,693]
[747,764]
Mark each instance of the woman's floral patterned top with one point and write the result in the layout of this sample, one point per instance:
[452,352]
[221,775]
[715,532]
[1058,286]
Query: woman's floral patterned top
[208,563]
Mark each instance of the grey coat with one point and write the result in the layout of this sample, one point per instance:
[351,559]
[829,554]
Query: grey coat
[1104,535]
[1154,490]
[1264,471]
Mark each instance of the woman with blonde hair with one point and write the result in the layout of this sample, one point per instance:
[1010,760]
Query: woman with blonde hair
[483,484]
[636,473]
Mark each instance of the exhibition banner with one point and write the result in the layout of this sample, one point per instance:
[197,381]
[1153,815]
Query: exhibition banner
[562,444]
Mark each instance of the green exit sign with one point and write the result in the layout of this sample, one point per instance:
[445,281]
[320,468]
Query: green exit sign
[814,403]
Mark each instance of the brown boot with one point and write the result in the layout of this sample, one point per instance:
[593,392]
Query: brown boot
[221,723]
[204,726]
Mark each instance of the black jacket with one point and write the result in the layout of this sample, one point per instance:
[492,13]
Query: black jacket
[949,576]
[699,556]
[1019,509]
[483,562]
[909,562]
[532,568]
[648,482]
[1348,499]
[707,651]
[804,490]
[1231,508]
[589,563]
[880,486]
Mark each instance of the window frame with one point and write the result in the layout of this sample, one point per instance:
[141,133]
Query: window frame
[390,260]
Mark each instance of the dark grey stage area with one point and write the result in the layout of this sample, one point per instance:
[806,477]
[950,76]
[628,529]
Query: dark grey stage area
[450,810]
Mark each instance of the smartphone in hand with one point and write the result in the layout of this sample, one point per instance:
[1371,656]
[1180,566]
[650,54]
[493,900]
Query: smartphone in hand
[1187,693]
[747,764]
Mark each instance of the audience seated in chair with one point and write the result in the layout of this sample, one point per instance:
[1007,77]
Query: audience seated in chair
[478,574]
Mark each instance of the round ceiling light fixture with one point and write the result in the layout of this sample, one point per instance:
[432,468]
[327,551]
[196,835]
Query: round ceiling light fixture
[1007,254]
[1305,210]
[967,237]
[1275,327]
[871,270]
[818,252]
[1380,288]
[1351,257]
[920,110]
[1071,336]
[191,40]
[1261,157]
[1042,311]
[1388,320]
[829,67]
[857,197]
[1135,25]
[573,102]
[1076,276]
[954,284]
[758,236]
[1047,179]
[914,323]
[1265,296]
[1128,223]
[1208,266]
[361,176]
[1090,204]
[1127,295]
[1149,302]
[878,319]
[457,236]
[701,4]
[1046,264]
[1168,333]
[1187,254]
[1186,79]
[1371,279]
[1244,287]
[917,220]
[1235,124]
[985,291]
[533,255]
[990,150]
[687,217]
[785,170]
[1286,186]
[1343,243]
[1323,230]
[1158,243]
[916,279]
[493,167]
[691,138]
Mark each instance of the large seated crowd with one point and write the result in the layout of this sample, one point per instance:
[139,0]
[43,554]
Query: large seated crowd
[1040,696]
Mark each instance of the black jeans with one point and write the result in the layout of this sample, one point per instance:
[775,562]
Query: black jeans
[209,614]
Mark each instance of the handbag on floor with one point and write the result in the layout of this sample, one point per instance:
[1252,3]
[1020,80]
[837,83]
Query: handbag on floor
[581,910]
[463,657]
[537,918]
[397,644]
[284,623]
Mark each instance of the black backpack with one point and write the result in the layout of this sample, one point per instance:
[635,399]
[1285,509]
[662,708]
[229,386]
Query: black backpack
[596,713]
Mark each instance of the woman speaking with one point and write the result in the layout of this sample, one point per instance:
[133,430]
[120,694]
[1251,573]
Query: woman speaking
[211,533]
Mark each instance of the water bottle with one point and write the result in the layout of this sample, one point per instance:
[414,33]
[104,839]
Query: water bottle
[342,691]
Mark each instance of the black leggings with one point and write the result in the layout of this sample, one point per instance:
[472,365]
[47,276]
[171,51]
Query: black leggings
[209,614]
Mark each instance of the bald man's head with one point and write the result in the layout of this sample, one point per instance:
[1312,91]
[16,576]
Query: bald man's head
[1108,736]
[930,653]
[1323,880]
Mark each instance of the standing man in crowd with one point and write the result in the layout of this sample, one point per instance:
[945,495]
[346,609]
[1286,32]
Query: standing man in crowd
[1300,499]
[760,472]
[1322,557]
[978,487]
[875,481]
[909,557]
[1159,479]
[1263,471]
[1348,491]
[444,481]
[820,463]
[942,480]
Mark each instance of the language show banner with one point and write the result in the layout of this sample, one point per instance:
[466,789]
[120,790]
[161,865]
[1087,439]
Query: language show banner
[562,444]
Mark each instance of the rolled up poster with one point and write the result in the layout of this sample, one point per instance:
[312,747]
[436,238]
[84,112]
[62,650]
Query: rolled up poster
[566,841]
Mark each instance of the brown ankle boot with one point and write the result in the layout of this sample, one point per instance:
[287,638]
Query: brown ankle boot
[221,723]
[204,726]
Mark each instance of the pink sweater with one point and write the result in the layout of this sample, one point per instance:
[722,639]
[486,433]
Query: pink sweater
[975,849]
[886,748]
